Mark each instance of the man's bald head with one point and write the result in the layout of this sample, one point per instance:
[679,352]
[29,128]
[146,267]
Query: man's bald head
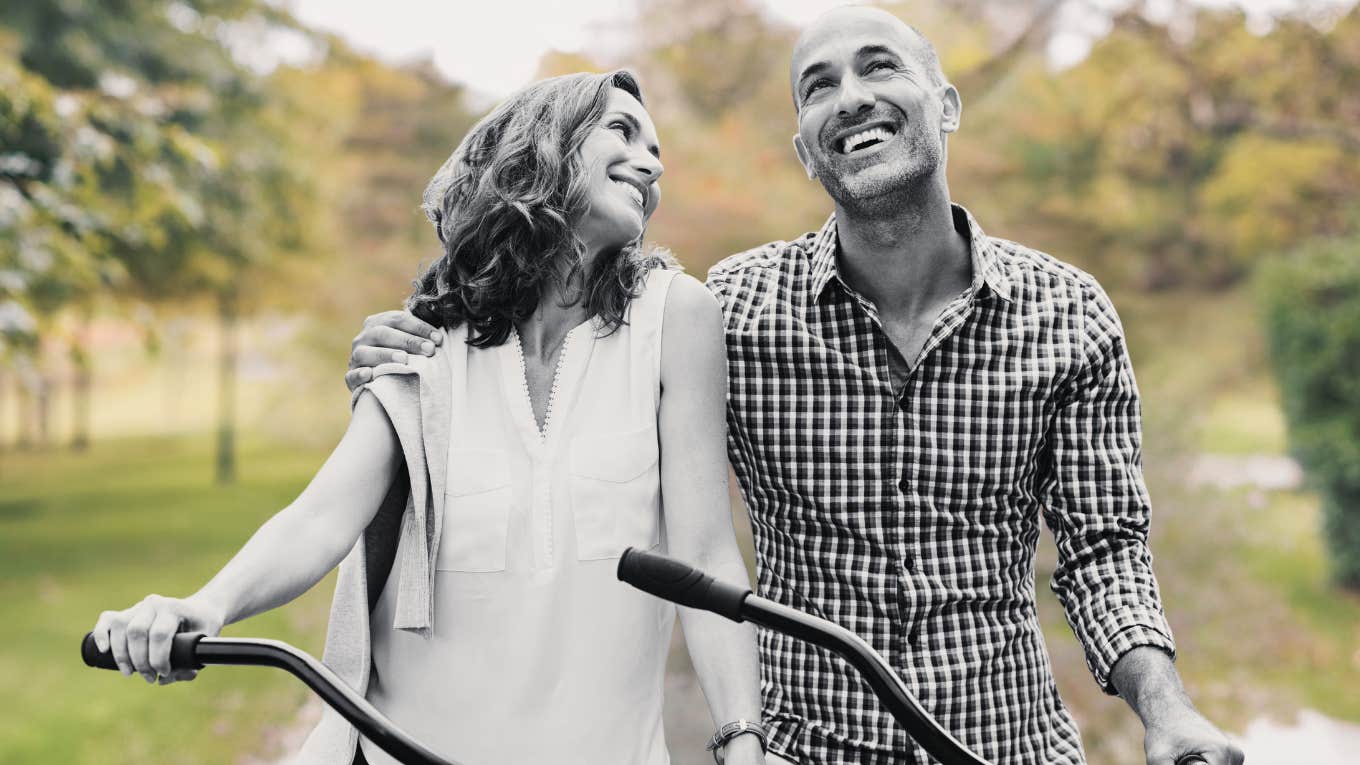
[874,110]
[840,21]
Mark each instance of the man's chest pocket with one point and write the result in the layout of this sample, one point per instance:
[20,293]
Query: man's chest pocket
[615,487]
[476,512]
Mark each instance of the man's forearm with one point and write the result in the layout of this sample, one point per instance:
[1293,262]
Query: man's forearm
[1147,679]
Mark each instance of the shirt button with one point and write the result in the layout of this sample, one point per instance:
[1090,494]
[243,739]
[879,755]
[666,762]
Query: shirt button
[909,562]
[914,637]
[904,485]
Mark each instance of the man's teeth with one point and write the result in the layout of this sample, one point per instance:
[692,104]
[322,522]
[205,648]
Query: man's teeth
[855,141]
[632,191]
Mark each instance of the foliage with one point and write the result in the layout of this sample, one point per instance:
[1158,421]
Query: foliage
[1311,303]
[390,128]
[137,151]
[144,159]
[1169,159]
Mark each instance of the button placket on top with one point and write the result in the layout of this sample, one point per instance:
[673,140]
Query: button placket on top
[541,445]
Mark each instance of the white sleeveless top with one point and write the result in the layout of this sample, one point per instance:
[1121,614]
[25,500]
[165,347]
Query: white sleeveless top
[538,653]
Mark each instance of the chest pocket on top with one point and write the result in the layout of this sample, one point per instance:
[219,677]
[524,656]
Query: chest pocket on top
[476,512]
[615,487]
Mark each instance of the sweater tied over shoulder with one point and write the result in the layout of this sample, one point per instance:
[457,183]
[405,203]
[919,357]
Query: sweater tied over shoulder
[415,397]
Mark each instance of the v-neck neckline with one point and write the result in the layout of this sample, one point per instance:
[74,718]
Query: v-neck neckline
[528,417]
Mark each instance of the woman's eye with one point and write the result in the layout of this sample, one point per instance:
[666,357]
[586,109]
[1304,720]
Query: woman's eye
[623,128]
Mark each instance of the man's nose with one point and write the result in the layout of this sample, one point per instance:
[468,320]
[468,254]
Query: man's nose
[853,97]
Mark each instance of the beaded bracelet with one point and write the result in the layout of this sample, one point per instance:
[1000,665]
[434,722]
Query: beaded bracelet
[730,731]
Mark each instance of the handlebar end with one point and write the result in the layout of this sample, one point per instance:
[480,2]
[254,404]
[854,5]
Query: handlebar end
[183,652]
[681,583]
[93,657]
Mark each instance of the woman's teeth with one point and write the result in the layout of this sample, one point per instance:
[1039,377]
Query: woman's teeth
[632,192]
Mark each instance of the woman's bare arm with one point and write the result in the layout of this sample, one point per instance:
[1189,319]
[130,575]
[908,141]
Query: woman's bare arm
[697,506]
[283,559]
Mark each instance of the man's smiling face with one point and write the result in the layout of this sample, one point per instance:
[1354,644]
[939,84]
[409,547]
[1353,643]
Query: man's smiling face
[872,106]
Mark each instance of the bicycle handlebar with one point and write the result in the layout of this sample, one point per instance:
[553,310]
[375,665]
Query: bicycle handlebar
[680,583]
[194,651]
[658,575]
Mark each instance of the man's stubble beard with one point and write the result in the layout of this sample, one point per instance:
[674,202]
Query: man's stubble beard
[883,195]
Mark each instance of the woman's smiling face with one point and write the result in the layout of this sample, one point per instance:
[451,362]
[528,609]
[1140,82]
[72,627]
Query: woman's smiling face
[622,158]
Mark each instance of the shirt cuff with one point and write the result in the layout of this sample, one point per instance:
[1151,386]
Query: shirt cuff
[1122,632]
[782,740]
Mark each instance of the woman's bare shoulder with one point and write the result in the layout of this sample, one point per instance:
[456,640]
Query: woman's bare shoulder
[690,301]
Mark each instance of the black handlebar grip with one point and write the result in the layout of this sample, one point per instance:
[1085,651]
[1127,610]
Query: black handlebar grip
[183,652]
[681,583]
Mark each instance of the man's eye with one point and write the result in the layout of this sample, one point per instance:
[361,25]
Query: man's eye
[878,65]
[623,128]
[814,87]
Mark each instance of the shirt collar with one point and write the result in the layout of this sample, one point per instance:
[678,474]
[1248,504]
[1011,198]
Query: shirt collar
[989,267]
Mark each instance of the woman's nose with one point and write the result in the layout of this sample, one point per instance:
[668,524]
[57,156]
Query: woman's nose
[649,166]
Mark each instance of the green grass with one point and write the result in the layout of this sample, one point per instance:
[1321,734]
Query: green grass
[83,533]
[1285,551]
[1245,420]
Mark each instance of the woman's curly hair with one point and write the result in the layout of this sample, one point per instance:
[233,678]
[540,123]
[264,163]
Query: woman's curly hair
[505,206]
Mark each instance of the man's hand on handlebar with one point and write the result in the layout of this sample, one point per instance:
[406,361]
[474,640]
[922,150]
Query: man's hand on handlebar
[139,637]
[1185,735]
[388,337]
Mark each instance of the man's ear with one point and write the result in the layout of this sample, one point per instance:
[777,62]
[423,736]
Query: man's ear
[804,158]
[951,108]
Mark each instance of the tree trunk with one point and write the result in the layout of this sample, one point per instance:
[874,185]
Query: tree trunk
[23,409]
[42,409]
[226,388]
[4,437]
[81,384]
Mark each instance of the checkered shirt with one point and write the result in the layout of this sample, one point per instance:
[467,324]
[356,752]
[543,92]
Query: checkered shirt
[912,520]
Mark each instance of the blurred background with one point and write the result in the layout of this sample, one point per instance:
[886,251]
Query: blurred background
[200,200]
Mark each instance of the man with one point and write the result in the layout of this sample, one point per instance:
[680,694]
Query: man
[907,396]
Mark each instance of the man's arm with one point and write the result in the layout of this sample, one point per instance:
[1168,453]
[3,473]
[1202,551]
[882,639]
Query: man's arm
[1147,680]
[1098,508]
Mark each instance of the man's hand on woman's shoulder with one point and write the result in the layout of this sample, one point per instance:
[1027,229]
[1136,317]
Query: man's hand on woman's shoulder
[386,338]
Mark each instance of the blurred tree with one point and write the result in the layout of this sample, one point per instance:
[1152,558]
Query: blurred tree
[386,130]
[1176,157]
[149,158]
[1312,311]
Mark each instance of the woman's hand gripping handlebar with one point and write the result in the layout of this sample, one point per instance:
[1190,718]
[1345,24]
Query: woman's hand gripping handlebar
[682,584]
[194,651]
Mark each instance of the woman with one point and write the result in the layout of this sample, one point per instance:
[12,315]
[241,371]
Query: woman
[481,497]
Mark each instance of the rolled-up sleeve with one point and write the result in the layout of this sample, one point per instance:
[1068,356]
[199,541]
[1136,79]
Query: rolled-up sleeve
[1096,501]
